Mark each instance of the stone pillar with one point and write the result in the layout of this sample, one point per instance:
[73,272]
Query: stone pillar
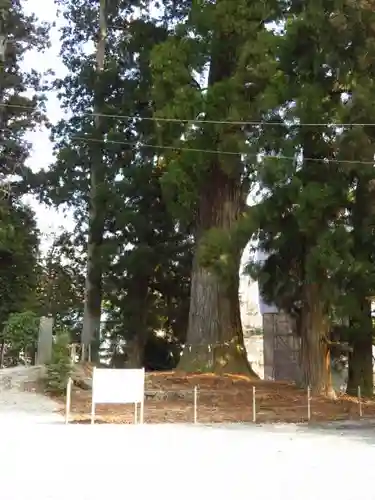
[286,349]
[44,352]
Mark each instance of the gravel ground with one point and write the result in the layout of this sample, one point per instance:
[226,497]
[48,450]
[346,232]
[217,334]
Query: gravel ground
[28,406]
[43,459]
[58,462]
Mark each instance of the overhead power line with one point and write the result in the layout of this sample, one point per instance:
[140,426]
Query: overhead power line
[138,144]
[212,151]
[212,122]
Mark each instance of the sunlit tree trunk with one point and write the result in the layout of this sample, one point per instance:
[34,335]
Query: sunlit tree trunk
[315,353]
[215,338]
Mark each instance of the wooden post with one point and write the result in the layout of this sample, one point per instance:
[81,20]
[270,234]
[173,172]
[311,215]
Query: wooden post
[195,404]
[254,406]
[308,403]
[68,400]
[92,398]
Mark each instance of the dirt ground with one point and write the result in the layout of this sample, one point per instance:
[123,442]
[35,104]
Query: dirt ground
[170,399]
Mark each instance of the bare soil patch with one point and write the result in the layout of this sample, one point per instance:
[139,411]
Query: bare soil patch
[221,399]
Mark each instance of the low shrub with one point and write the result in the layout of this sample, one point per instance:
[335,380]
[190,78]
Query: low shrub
[59,369]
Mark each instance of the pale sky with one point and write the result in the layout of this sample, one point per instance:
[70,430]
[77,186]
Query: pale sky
[49,221]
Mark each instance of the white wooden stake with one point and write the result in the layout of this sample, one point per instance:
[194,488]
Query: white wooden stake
[92,399]
[73,353]
[254,406]
[142,410]
[308,403]
[360,401]
[195,404]
[68,400]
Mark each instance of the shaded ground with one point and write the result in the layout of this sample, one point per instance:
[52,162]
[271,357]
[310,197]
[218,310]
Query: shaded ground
[170,399]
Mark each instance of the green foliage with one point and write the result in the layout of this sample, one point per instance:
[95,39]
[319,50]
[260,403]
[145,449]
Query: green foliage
[144,257]
[21,92]
[236,88]
[60,367]
[19,338]
[21,329]
[316,215]
[300,220]
[60,288]
[19,241]
[216,252]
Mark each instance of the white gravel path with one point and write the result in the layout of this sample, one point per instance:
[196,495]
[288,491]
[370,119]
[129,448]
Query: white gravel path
[164,462]
[43,459]
[18,404]
[28,406]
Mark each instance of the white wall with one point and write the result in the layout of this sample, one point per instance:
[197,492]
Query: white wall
[250,314]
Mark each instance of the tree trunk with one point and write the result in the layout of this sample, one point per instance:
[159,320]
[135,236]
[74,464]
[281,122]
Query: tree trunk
[93,285]
[214,340]
[2,352]
[360,359]
[315,353]
[135,353]
[139,294]
[361,338]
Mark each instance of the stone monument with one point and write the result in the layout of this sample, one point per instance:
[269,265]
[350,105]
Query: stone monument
[45,340]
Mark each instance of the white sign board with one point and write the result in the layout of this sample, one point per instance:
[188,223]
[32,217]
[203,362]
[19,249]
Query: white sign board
[116,386]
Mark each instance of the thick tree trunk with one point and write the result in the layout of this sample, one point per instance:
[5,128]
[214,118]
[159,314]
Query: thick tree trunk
[214,340]
[360,359]
[315,354]
[93,285]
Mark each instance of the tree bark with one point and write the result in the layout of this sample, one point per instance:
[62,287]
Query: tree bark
[315,353]
[137,343]
[214,340]
[361,338]
[360,359]
[93,285]
[2,352]
[135,353]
